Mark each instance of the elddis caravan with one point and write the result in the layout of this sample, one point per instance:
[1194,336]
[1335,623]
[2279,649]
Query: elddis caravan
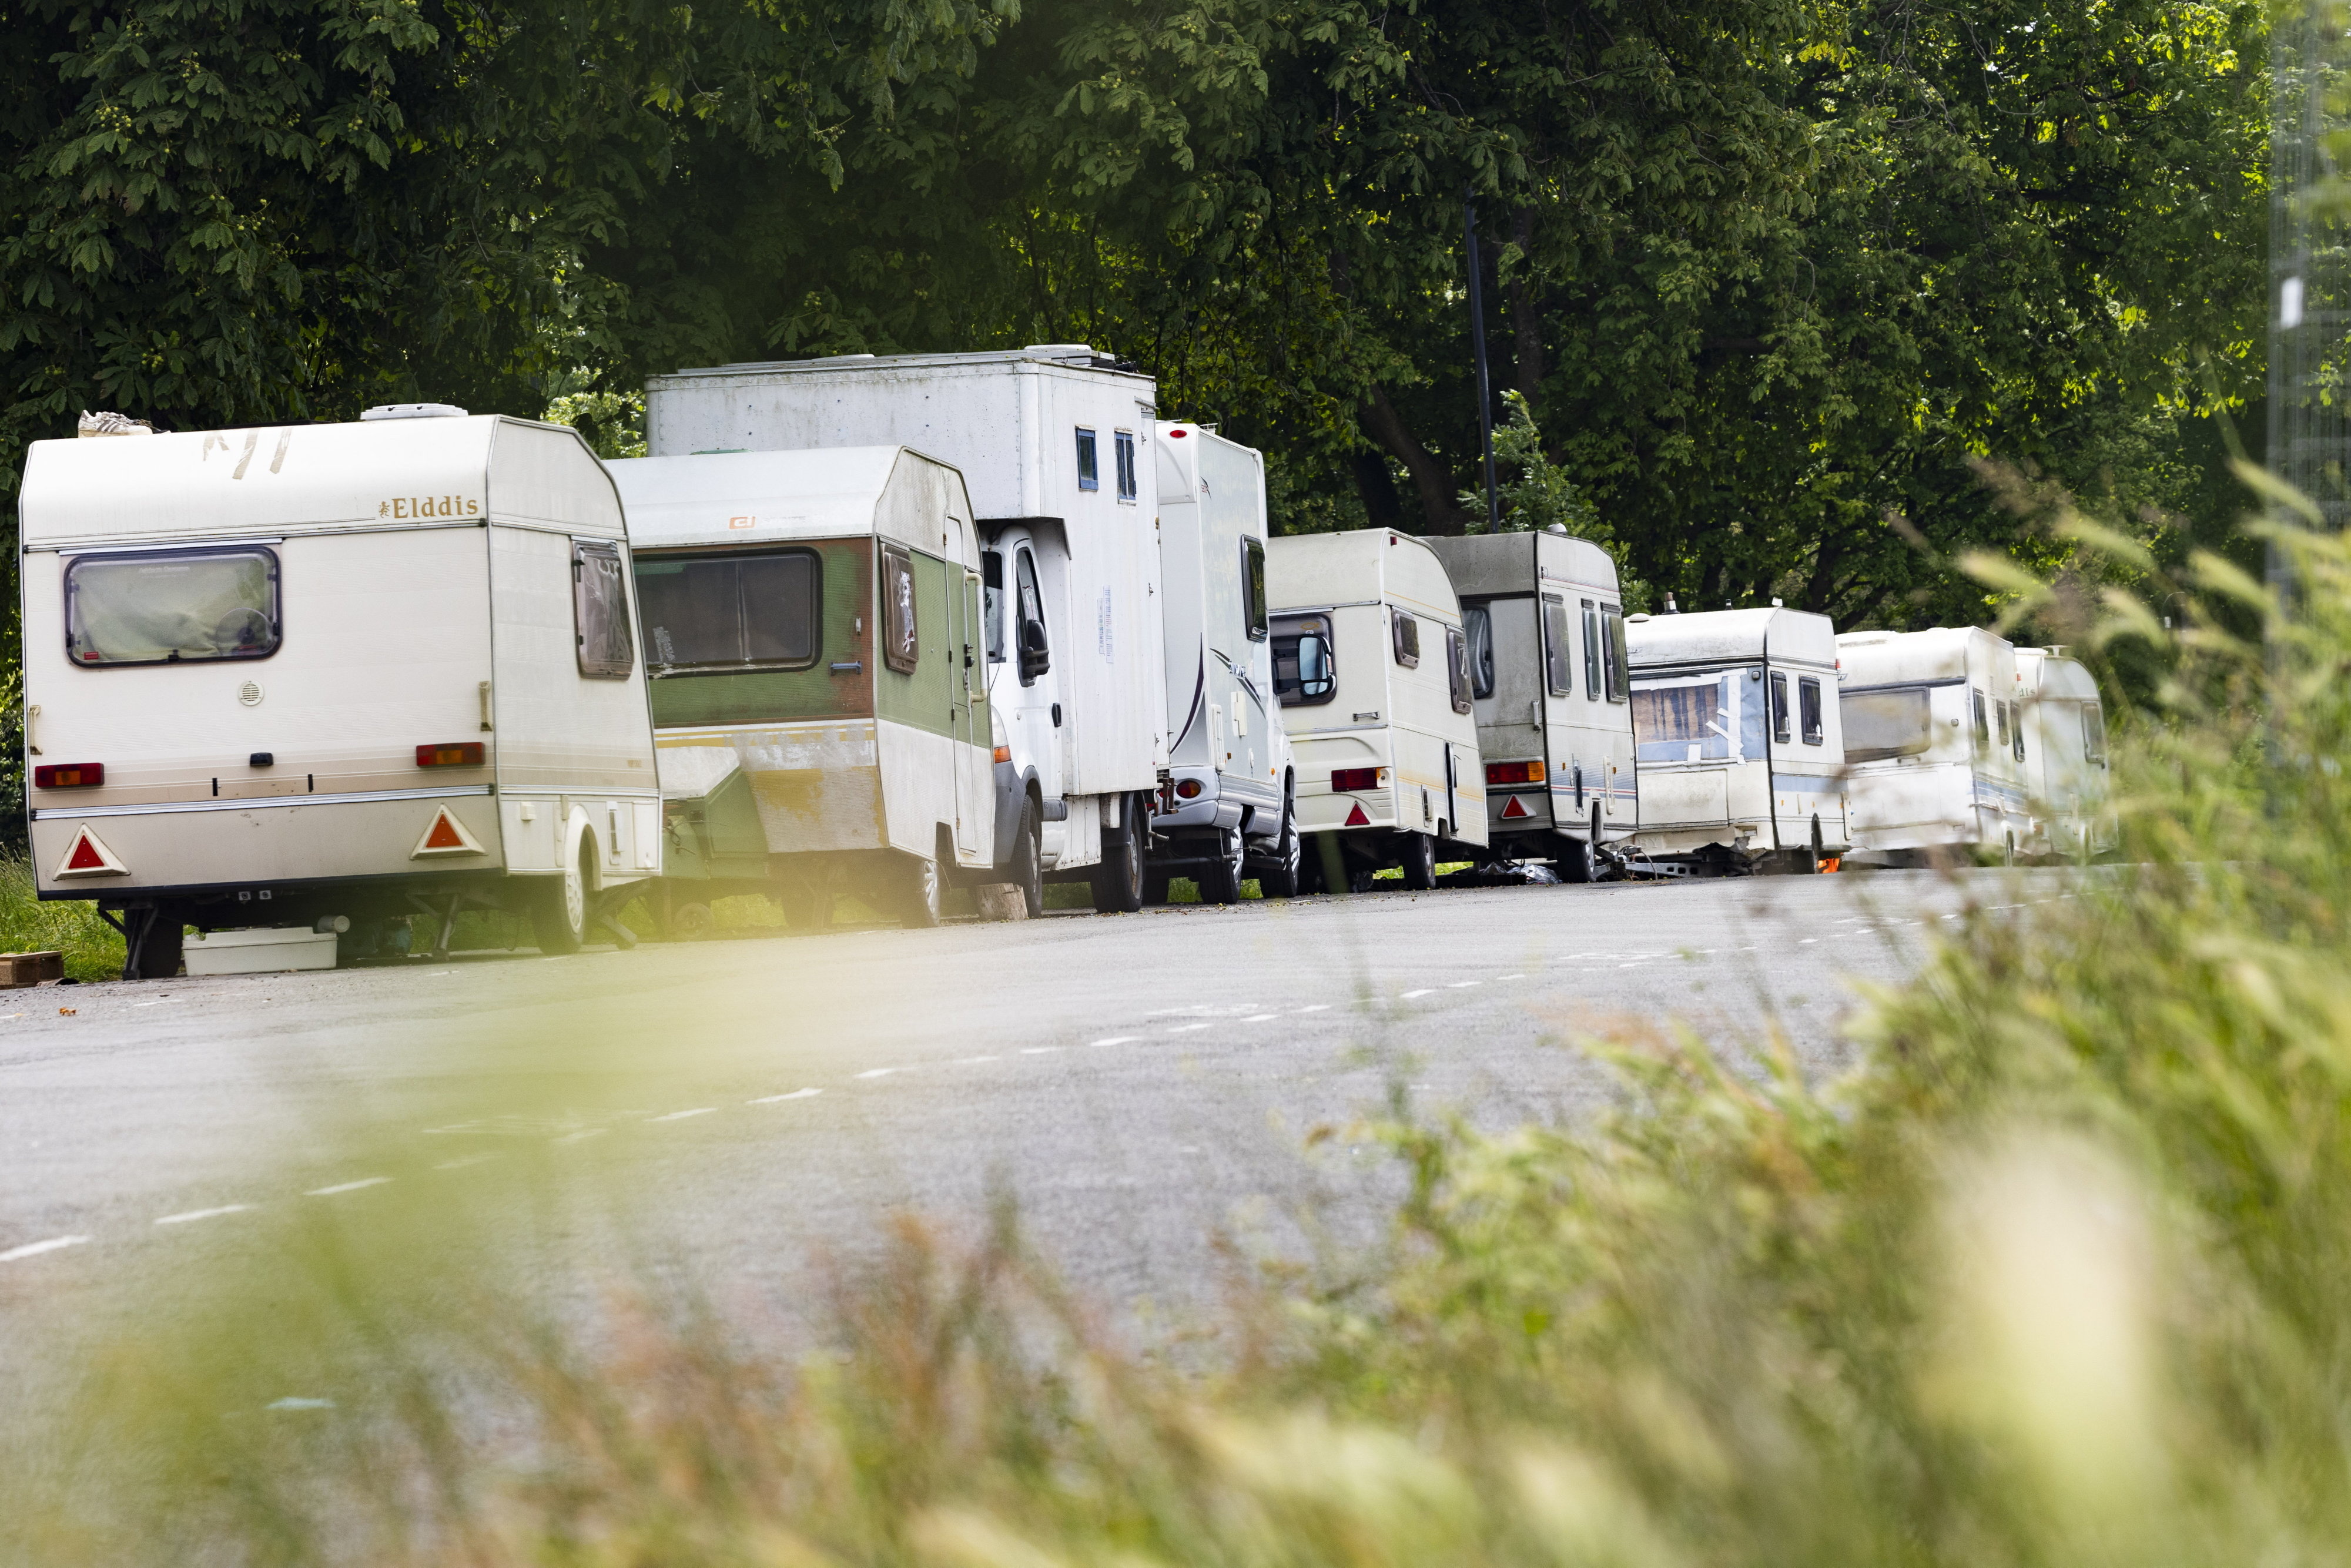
[1373,676]
[1741,749]
[1052,442]
[275,676]
[1544,622]
[1936,744]
[812,629]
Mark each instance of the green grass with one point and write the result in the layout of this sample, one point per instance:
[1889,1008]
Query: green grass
[92,948]
[2055,1275]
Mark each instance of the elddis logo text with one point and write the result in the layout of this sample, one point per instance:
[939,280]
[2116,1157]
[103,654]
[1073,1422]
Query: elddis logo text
[404,506]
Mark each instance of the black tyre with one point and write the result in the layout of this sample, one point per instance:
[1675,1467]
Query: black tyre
[690,922]
[1118,881]
[1814,856]
[1028,868]
[158,945]
[922,893]
[1578,860]
[558,911]
[1416,853]
[1220,881]
[1284,875]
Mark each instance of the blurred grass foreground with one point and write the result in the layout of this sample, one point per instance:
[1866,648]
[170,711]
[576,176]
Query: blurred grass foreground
[2058,1275]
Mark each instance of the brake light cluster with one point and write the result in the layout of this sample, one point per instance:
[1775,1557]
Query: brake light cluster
[451,754]
[1187,788]
[1343,779]
[1514,773]
[70,776]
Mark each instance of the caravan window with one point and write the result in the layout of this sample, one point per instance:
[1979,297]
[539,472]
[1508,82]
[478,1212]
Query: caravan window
[1089,470]
[901,645]
[600,609]
[1591,654]
[1123,447]
[1406,634]
[1253,587]
[2094,733]
[1715,717]
[1808,701]
[1477,630]
[1983,727]
[2000,715]
[180,607]
[704,613]
[1890,721]
[1457,668]
[1306,669]
[1780,708]
[2016,729]
[1559,651]
[1614,660]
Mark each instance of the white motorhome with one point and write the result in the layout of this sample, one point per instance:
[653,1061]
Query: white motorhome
[1936,744]
[278,677]
[1741,749]
[1372,669]
[1052,441]
[1227,809]
[2066,756]
[1544,622]
[812,628]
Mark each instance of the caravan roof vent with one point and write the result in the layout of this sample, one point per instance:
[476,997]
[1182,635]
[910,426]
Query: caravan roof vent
[414,411]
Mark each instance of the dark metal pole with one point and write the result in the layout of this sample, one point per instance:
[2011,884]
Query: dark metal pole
[1477,351]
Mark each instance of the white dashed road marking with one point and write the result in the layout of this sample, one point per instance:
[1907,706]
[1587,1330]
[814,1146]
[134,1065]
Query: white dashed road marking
[1117,1039]
[35,1249]
[779,1099]
[1422,992]
[1187,1028]
[350,1186]
[195,1214]
[682,1115]
[878,1072]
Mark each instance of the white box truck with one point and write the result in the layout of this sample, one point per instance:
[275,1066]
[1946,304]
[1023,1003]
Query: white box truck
[1052,442]
[1937,746]
[1741,747]
[277,676]
[812,627]
[1372,669]
[1226,810]
[1544,623]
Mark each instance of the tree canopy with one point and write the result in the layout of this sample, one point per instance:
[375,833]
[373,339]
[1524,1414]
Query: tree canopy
[1775,283]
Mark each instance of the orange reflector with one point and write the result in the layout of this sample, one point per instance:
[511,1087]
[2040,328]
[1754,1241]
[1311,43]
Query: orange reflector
[1514,806]
[1004,754]
[446,836]
[87,856]
[1355,818]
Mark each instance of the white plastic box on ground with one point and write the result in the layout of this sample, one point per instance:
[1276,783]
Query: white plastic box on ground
[260,950]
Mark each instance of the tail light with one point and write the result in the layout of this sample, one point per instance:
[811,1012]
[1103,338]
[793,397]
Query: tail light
[69,775]
[1347,778]
[1187,788]
[451,754]
[1514,773]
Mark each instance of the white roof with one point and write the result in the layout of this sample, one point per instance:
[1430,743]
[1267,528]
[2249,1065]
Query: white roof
[1895,658]
[751,497]
[1716,636]
[1313,571]
[281,479]
[1075,356]
[2050,674]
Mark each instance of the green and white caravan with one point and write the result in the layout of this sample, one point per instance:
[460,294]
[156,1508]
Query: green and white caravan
[812,628]
[1545,625]
[1741,747]
[313,678]
[1373,673]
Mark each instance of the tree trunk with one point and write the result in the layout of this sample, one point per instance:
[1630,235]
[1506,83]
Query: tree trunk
[1526,317]
[1382,505]
[1439,513]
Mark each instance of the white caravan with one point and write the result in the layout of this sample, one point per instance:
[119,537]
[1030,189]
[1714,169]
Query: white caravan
[1051,442]
[1373,668]
[278,677]
[1937,745]
[1741,751]
[1545,627]
[1227,809]
[2065,755]
[812,629]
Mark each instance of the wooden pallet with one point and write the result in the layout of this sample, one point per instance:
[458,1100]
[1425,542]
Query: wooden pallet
[19,970]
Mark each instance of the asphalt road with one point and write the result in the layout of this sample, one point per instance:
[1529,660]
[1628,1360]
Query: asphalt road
[1139,1084]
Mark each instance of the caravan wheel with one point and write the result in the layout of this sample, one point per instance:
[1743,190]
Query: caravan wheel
[1118,881]
[1280,879]
[921,893]
[558,914]
[1578,860]
[1221,879]
[1418,855]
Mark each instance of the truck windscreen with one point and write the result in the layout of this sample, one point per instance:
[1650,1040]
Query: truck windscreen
[184,607]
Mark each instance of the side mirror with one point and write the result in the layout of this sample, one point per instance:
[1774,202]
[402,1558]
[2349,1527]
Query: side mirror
[1035,657]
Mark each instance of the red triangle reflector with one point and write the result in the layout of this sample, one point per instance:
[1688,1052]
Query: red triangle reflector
[1514,806]
[444,835]
[85,856]
[88,856]
[1355,818]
